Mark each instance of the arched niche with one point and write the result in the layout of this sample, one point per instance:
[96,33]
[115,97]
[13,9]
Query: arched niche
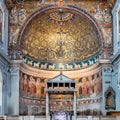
[110,98]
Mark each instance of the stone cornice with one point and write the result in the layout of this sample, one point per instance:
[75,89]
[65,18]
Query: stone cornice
[105,61]
[15,63]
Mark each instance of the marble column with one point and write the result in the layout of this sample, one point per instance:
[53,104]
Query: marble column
[47,106]
[74,107]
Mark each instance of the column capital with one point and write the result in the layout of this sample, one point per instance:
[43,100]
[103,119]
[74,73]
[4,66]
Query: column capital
[15,63]
[14,70]
[14,66]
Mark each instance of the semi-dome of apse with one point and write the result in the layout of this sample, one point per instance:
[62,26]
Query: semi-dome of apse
[60,35]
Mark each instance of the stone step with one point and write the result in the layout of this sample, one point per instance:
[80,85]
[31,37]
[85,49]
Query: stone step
[12,118]
[2,118]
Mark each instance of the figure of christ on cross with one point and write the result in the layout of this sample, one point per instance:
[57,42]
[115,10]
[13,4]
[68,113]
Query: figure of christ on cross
[60,51]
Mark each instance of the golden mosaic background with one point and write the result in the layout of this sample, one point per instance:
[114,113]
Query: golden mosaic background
[60,37]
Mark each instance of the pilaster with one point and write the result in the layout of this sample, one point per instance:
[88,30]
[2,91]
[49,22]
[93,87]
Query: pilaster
[13,103]
[3,83]
[116,84]
[106,82]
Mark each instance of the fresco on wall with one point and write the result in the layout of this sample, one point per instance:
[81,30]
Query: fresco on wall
[90,86]
[54,41]
[31,86]
[1,18]
[33,94]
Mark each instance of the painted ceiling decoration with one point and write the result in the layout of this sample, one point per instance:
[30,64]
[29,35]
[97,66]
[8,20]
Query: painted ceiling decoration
[60,35]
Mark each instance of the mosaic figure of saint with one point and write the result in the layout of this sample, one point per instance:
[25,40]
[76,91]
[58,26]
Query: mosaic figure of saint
[38,88]
[32,86]
[25,84]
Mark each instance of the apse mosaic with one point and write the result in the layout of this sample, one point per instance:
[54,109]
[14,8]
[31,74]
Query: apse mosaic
[100,10]
[60,35]
[1,20]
